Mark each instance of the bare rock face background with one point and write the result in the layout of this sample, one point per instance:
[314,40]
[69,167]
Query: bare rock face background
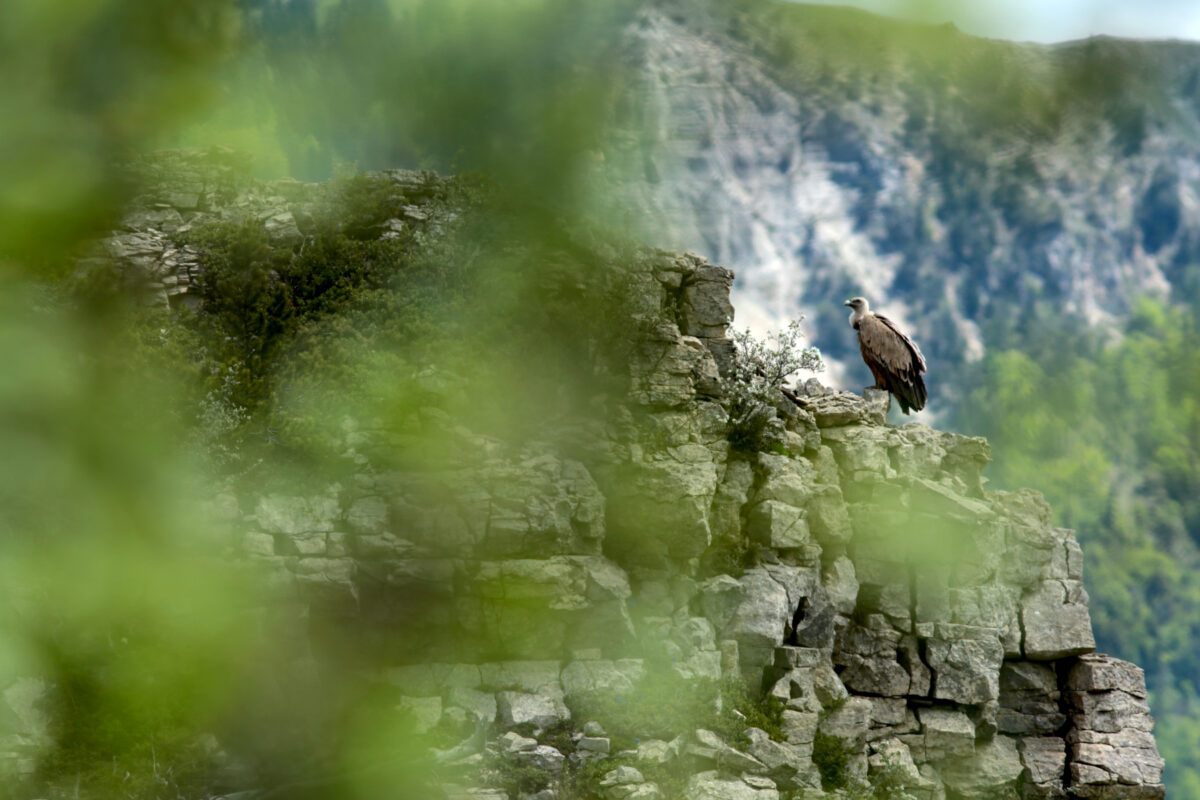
[825,153]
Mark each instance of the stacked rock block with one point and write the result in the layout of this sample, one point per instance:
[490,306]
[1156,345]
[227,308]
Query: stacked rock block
[502,557]
[1111,749]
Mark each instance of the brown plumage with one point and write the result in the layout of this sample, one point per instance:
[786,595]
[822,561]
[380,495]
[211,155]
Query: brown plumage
[894,359]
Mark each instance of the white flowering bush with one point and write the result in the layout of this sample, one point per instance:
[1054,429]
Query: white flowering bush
[760,369]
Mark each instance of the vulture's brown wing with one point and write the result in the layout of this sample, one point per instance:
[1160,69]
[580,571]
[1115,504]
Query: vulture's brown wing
[888,347]
[918,360]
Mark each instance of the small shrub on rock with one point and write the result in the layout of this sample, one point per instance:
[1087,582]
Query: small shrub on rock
[759,371]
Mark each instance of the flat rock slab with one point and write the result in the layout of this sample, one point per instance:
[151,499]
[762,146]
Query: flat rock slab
[948,733]
[836,408]
[1053,626]
[1100,673]
[711,786]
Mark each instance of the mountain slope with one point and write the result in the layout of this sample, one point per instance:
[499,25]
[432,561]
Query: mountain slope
[960,183]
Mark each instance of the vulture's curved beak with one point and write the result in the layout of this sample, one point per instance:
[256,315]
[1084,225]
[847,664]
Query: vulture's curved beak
[847,303]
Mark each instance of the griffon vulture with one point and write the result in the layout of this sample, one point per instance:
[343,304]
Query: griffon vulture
[894,359]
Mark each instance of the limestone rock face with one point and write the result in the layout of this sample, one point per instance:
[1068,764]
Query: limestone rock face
[936,632]
[857,576]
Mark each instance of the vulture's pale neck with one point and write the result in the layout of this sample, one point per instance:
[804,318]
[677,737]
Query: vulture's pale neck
[857,314]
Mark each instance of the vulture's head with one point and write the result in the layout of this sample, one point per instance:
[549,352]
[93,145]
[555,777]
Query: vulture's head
[859,304]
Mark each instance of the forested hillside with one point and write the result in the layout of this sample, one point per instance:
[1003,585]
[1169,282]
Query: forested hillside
[1110,432]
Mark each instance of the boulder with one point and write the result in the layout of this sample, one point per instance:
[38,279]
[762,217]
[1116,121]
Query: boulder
[543,757]
[799,727]
[512,743]
[710,749]
[992,771]
[704,307]
[520,708]
[581,679]
[781,760]
[481,705]
[835,408]
[712,786]
[966,661]
[778,525]
[1045,761]
[849,722]
[1029,699]
[1099,673]
[1053,626]
[893,757]
[290,514]
[948,733]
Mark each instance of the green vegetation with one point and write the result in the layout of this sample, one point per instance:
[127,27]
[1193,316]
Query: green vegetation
[760,368]
[90,83]
[263,305]
[119,593]
[832,758]
[1110,433]
[741,709]
[290,349]
[664,705]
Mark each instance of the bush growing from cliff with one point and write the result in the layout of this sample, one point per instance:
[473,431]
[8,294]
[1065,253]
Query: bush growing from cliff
[832,758]
[759,371]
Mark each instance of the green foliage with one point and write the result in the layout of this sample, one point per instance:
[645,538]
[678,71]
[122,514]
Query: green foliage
[124,607]
[520,91]
[832,758]
[149,747]
[891,782]
[290,351]
[760,368]
[662,706]
[517,778]
[114,598]
[740,709]
[257,298]
[87,84]
[729,555]
[316,317]
[1110,433]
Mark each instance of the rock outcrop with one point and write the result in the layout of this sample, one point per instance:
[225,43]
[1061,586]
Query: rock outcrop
[905,626]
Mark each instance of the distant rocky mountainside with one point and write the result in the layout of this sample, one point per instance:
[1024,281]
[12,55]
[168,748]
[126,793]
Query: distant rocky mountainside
[896,627]
[962,184]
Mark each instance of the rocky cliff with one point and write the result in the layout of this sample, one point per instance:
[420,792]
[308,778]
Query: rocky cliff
[849,605]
